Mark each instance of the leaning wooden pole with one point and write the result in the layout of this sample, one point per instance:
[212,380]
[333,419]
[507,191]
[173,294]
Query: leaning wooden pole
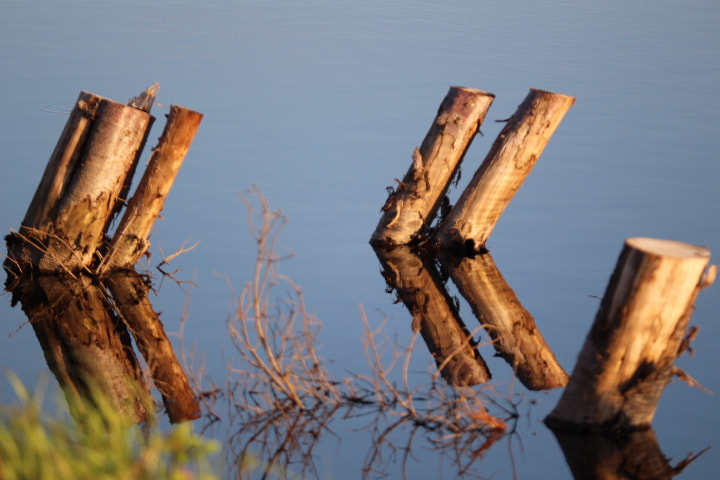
[80,190]
[640,329]
[411,206]
[510,160]
[130,241]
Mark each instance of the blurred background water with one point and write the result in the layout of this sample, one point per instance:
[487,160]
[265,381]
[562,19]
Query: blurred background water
[321,103]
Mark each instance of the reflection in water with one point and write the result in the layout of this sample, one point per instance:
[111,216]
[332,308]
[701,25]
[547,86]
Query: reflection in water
[435,315]
[85,334]
[515,336]
[627,455]
[282,400]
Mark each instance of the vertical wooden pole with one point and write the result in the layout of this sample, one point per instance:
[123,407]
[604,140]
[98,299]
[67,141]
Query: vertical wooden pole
[628,356]
[411,207]
[509,162]
[130,241]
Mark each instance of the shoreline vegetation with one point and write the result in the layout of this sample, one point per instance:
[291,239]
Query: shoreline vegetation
[89,438]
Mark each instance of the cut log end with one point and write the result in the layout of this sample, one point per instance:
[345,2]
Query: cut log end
[668,248]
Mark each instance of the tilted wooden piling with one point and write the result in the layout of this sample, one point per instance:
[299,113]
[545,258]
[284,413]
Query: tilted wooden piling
[130,241]
[411,206]
[86,184]
[628,356]
[510,160]
[80,190]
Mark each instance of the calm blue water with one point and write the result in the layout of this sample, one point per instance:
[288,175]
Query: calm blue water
[321,103]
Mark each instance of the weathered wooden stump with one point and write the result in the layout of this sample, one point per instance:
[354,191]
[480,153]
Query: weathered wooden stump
[628,356]
[80,190]
[411,206]
[86,184]
[510,160]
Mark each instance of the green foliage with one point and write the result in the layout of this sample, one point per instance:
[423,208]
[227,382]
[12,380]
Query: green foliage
[103,445]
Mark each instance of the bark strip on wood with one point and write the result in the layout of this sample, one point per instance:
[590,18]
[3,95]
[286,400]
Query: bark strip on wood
[130,241]
[411,206]
[434,315]
[510,160]
[129,292]
[80,189]
[515,336]
[628,356]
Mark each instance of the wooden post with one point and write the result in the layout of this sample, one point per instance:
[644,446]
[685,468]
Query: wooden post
[411,207]
[515,336]
[130,241]
[434,315]
[80,189]
[628,356]
[129,293]
[509,162]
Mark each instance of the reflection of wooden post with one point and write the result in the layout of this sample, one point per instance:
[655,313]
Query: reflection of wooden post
[130,295]
[130,241]
[516,337]
[79,191]
[88,351]
[419,287]
[628,356]
[412,206]
[633,455]
[506,166]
